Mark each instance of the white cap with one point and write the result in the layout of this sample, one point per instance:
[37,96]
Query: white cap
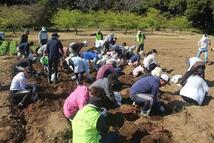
[85,43]
[43,29]
[165,77]
[156,72]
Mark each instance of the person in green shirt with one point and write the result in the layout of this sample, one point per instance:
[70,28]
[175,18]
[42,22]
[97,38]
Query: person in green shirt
[139,38]
[99,35]
[91,123]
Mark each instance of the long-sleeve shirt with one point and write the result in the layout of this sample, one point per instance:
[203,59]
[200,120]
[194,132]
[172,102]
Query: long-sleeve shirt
[103,69]
[150,59]
[42,35]
[89,55]
[19,82]
[195,88]
[146,85]
[105,85]
[76,100]
[53,47]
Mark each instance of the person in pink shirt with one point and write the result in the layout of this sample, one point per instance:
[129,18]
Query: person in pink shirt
[79,98]
[105,70]
[138,70]
[75,101]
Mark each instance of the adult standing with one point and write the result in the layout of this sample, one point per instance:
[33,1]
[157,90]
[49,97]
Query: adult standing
[99,35]
[203,44]
[54,47]
[145,92]
[24,37]
[43,36]
[139,38]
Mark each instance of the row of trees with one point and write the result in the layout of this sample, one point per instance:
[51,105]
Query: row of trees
[200,13]
[153,20]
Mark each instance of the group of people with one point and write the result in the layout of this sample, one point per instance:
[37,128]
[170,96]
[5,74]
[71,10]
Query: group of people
[87,106]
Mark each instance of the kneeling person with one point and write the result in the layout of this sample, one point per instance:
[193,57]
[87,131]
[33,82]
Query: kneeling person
[20,91]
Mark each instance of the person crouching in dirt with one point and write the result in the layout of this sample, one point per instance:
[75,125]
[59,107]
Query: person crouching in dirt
[24,49]
[74,48]
[21,92]
[78,99]
[92,123]
[107,85]
[150,61]
[144,92]
[194,64]
[79,66]
[92,56]
[21,64]
[195,89]
[54,47]
[106,70]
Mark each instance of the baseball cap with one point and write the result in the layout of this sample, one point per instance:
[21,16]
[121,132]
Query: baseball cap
[85,43]
[165,77]
[43,29]
[55,34]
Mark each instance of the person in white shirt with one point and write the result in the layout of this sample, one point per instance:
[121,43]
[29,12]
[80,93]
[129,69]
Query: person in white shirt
[43,36]
[195,90]
[79,66]
[203,44]
[150,59]
[21,92]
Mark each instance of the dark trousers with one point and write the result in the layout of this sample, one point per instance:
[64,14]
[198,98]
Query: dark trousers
[52,68]
[79,76]
[192,71]
[24,98]
[140,48]
[189,100]
[44,41]
[110,138]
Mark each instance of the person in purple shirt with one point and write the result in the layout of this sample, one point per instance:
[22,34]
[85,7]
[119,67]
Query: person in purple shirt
[106,70]
[145,91]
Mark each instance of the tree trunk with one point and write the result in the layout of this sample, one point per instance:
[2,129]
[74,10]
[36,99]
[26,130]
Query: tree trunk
[126,29]
[14,29]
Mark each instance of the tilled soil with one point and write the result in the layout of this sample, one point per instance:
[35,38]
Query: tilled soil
[43,121]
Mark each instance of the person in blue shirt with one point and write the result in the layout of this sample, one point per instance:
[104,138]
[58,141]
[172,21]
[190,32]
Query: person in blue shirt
[91,56]
[144,92]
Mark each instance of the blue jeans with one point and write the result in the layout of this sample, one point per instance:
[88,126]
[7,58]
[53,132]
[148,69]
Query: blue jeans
[205,55]
[110,138]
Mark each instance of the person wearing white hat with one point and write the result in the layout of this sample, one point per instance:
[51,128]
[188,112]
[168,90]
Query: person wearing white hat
[203,44]
[43,36]
[144,92]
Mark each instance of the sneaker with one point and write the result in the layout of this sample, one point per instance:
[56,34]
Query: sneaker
[144,113]
[20,105]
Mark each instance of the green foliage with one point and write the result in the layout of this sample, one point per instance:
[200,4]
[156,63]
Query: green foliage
[4,48]
[12,48]
[154,19]
[65,18]
[128,20]
[13,17]
[111,20]
[179,23]
[201,14]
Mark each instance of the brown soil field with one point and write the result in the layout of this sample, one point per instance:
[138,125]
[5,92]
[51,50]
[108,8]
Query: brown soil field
[44,121]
